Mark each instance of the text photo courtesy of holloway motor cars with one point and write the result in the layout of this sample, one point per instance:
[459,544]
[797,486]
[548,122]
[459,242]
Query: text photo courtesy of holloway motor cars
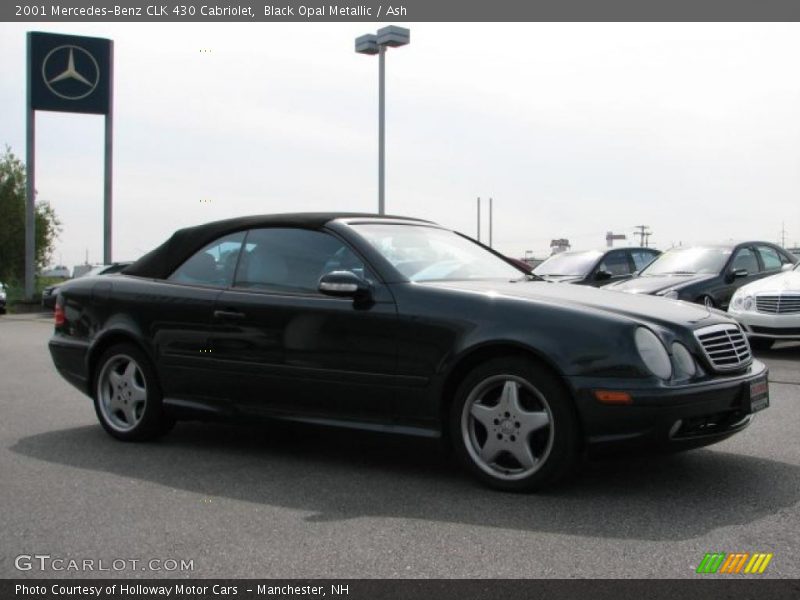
[356,299]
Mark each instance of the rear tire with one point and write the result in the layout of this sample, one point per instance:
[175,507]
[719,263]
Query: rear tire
[513,425]
[127,397]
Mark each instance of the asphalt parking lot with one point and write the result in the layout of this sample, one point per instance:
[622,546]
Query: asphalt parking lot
[309,503]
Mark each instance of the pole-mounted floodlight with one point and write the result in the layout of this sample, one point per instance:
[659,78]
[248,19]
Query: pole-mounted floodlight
[367,44]
[386,37]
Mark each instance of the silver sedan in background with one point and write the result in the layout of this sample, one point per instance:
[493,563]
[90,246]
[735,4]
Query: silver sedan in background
[769,309]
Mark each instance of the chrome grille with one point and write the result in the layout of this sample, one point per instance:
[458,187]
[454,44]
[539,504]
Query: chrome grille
[725,346]
[778,304]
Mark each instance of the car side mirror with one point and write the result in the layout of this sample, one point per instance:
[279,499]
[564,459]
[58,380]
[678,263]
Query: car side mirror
[787,267]
[602,275]
[735,274]
[343,284]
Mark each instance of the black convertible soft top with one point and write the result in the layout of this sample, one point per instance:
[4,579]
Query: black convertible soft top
[163,260]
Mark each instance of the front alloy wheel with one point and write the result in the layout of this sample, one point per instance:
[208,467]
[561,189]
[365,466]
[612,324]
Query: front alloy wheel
[507,427]
[516,425]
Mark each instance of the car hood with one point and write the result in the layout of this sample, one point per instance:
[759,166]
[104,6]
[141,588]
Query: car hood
[643,308]
[782,282]
[657,283]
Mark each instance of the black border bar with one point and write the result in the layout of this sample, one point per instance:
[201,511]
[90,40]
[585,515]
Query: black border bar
[401,11]
[401,589]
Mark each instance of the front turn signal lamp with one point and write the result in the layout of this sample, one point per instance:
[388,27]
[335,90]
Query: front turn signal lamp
[612,397]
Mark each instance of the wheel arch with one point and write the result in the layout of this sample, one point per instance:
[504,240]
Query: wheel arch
[479,354]
[104,342]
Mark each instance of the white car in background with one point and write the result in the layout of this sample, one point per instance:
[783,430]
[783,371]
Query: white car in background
[769,309]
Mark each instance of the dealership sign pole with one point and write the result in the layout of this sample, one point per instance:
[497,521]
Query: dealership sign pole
[66,73]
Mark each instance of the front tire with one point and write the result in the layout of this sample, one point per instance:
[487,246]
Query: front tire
[513,425]
[127,397]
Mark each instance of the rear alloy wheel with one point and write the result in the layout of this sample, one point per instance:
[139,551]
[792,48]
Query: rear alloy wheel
[514,426]
[127,398]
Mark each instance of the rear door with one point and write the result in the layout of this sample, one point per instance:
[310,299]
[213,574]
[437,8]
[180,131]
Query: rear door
[285,348]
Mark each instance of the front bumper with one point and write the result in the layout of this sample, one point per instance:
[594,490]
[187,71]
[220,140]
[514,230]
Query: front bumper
[670,417]
[774,327]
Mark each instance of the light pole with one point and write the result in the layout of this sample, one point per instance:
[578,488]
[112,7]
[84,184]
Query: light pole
[370,43]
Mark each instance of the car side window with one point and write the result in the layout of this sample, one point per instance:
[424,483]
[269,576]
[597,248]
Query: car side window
[212,266]
[615,263]
[642,258]
[292,260]
[770,258]
[745,259]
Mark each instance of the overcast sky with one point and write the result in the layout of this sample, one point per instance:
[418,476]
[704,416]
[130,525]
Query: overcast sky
[573,129]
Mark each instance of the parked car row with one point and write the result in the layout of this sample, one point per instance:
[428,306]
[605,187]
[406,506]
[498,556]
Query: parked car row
[749,279]
[400,325]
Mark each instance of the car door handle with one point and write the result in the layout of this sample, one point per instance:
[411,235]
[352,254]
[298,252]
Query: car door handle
[228,315]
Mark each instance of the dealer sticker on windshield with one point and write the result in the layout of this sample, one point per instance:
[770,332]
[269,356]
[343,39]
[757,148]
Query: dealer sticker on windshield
[759,395]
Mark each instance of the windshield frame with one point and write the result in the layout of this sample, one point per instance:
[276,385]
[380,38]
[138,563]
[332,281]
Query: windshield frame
[386,270]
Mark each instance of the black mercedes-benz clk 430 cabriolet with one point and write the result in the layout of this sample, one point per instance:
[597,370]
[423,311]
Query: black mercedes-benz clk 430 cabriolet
[399,325]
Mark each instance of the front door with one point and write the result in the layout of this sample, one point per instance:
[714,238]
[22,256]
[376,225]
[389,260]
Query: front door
[285,348]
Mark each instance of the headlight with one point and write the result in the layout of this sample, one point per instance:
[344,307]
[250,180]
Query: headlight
[653,353]
[742,301]
[671,294]
[684,362]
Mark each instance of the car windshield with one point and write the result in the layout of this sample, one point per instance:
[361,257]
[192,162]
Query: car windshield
[688,261]
[423,253]
[568,264]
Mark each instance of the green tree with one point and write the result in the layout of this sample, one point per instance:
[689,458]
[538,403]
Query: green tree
[12,222]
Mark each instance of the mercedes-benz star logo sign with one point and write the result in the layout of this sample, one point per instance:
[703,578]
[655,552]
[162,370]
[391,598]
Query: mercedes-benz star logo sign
[70,72]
